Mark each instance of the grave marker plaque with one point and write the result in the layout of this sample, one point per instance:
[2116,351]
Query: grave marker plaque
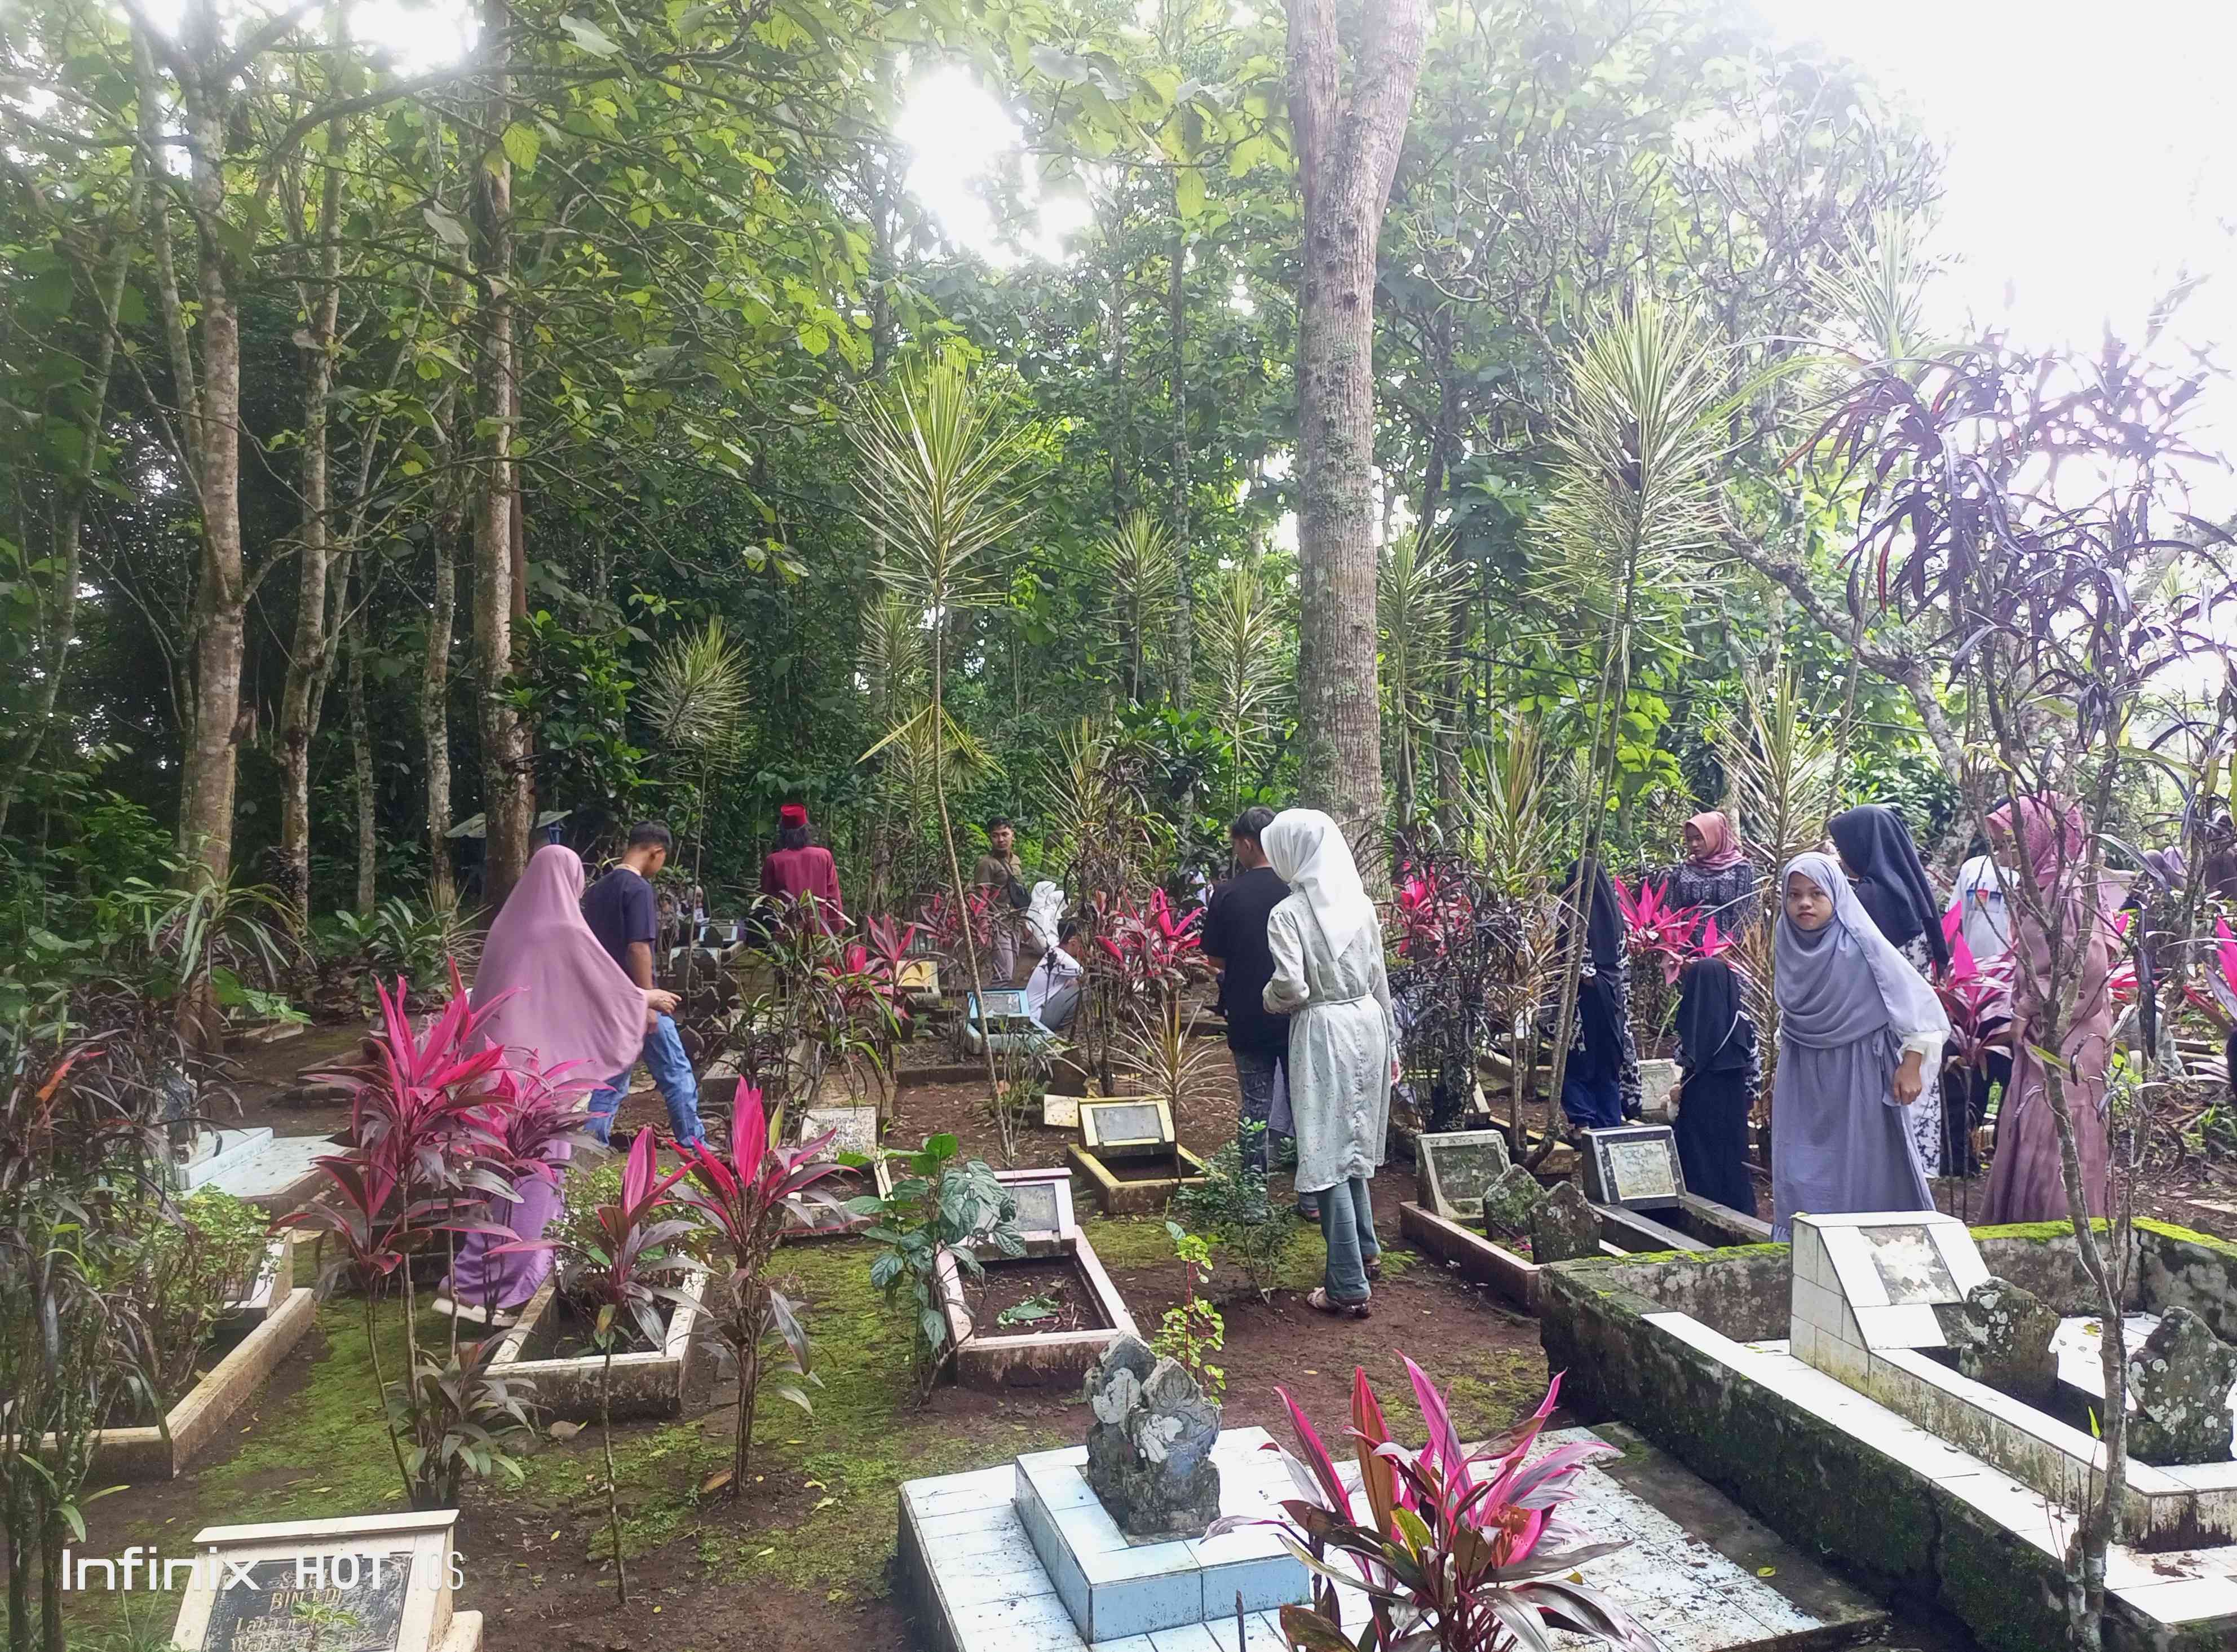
[1139,1127]
[857,1130]
[1634,1166]
[1453,1168]
[373,1584]
[1042,1198]
[1002,1004]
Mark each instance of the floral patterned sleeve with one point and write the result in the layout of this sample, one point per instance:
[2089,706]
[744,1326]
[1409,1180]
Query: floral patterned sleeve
[1627,1081]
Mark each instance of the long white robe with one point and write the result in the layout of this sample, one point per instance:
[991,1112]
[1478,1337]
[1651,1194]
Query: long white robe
[1341,1036]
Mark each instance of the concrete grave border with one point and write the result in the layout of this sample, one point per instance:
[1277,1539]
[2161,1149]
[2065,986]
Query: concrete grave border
[667,1384]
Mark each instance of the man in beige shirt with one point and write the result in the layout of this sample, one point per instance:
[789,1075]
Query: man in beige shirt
[1002,872]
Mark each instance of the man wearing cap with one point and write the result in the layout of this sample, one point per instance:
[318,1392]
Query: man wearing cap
[797,869]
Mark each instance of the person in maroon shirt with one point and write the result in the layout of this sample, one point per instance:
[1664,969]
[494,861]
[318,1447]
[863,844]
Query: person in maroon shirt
[798,869]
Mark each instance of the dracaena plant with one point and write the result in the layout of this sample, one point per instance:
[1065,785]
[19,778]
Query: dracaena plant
[1149,951]
[431,1123]
[1455,1550]
[621,1270]
[746,1197]
[1656,932]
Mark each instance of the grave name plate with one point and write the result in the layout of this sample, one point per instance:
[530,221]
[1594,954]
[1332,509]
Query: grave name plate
[1143,1127]
[856,1127]
[1453,1168]
[1634,1166]
[284,1610]
[373,1584]
[1002,1003]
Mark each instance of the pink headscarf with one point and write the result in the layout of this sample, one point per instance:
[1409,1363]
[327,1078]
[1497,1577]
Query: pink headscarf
[2050,835]
[571,1001]
[1720,845]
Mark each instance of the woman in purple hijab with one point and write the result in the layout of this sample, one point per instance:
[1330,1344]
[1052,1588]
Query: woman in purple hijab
[561,1002]
[1858,1033]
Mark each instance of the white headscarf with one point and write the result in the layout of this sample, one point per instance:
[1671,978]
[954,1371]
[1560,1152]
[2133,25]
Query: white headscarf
[1912,1005]
[1307,851]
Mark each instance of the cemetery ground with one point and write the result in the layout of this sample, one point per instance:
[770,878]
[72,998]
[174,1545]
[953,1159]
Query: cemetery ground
[802,1560]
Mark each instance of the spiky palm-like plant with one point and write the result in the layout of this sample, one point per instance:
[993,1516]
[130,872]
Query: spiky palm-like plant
[1632,511]
[1142,562]
[1243,651]
[1419,586]
[942,485]
[695,692]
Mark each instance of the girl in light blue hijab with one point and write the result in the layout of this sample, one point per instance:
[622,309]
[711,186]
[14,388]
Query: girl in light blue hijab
[1860,1036]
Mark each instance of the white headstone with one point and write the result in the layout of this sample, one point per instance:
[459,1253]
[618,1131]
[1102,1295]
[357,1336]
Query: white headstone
[371,1583]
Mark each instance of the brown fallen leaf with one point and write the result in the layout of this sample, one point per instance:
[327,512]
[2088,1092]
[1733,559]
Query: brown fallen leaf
[715,1480]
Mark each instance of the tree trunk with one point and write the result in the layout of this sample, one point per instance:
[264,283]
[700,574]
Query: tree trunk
[1347,157]
[306,657]
[1184,671]
[508,799]
[368,842]
[435,710]
[220,622]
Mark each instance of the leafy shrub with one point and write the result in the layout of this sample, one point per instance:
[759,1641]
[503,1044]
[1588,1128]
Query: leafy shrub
[1232,1204]
[937,1204]
[399,939]
[1194,1331]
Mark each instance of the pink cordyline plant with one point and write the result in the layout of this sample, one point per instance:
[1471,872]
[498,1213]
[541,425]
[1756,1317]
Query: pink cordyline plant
[747,1196]
[1975,998]
[1455,1550]
[1657,931]
[1149,950]
[1433,911]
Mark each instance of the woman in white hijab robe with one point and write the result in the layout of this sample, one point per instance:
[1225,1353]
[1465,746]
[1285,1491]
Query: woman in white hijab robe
[1326,946]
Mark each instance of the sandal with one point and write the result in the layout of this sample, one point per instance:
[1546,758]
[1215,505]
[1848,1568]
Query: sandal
[1321,1302]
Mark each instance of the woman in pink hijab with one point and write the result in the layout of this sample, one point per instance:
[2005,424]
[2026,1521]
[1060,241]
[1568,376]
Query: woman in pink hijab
[1717,878]
[565,1003]
[2025,1184]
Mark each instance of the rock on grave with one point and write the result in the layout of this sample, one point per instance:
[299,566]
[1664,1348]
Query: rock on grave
[1564,1227]
[1508,1202]
[1149,1450]
[2002,1335]
[2182,1378]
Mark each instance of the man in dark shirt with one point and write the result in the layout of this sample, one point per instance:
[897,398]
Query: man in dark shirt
[621,913]
[1235,939]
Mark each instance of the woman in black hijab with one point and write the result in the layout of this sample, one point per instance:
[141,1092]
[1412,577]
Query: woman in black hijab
[1717,1053]
[1890,879]
[1599,1086]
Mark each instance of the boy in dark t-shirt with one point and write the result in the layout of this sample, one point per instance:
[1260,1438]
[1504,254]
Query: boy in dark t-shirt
[1235,938]
[621,913]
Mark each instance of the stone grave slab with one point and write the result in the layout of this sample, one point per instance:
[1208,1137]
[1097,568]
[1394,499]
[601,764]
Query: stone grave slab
[1061,1112]
[1634,1166]
[1004,1006]
[1135,1126]
[370,1584]
[857,1128]
[1452,1168]
[918,975]
[1657,1082]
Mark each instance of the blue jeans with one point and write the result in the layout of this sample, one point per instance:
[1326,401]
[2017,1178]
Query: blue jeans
[1348,1228]
[671,1070]
[1254,1076]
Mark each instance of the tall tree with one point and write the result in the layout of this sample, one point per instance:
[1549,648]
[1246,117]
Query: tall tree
[1347,156]
[508,794]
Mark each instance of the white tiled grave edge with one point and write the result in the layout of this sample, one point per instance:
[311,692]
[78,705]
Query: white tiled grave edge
[1863,1309]
[2184,1589]
[1115,1586]
[982,1586]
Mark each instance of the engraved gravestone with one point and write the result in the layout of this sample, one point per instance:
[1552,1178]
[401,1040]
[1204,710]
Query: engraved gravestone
[283,1611]
[1634,1166]
[1121,1129]
[370,1584]
[1453,1168]
[1037,1207]
[1003,1003]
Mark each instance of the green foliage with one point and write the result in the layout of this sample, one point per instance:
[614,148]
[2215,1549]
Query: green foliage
[179,1267]
[1230,1203]
[940,1205]
[1194,1331]
[399,940]
[573,686]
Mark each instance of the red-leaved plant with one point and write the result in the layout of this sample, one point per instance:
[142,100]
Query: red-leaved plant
[432,1129]
[1454,1550]
[746,1197]
[620,1272]
[1147,950]
[1433,912]
[1657,932]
